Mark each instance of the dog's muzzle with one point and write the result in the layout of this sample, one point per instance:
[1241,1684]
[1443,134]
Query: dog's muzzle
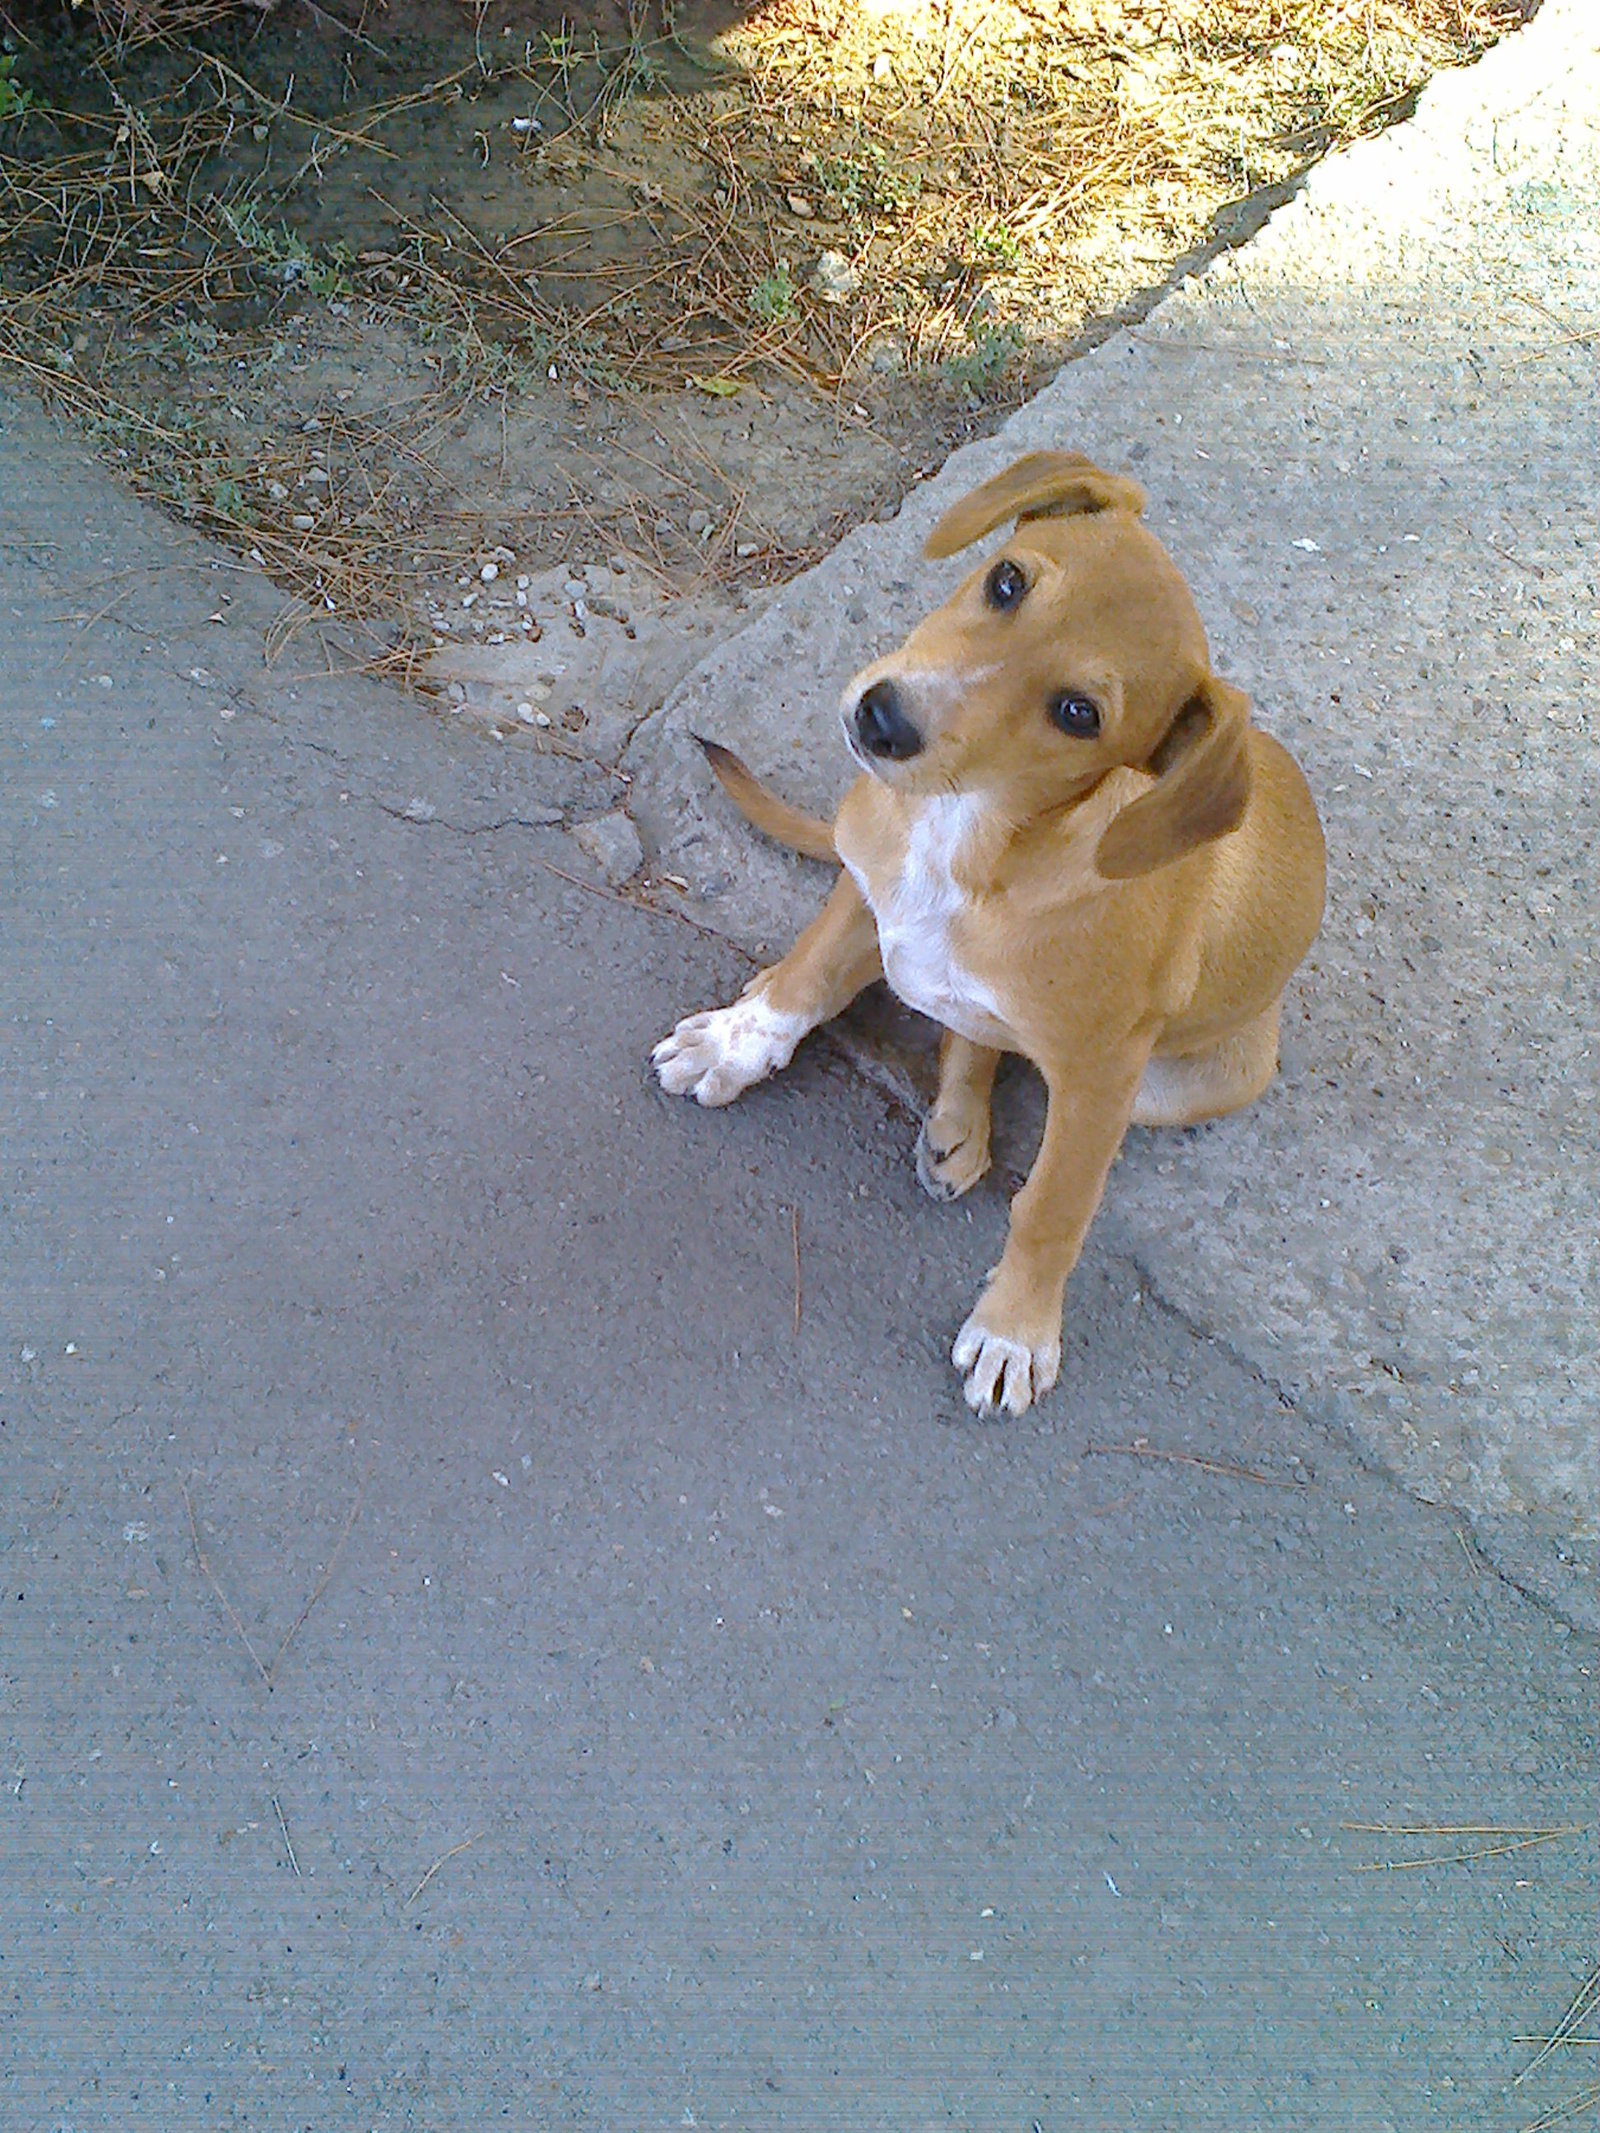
[881,726]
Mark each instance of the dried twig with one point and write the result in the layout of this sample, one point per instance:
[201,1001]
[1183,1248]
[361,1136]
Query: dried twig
[1569,2107]
[651,910]
[1579,2008]
[322,1583]
[1520,1840]
[1466,1550]
[1450,1829]
[1140,1450]
[287,1844]
[211,1578]
[442,1860]
[1568,331]
[269,1671]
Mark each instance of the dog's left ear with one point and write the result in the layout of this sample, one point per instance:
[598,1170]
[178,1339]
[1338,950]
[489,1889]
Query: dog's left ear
[1202,773]
[1042,485]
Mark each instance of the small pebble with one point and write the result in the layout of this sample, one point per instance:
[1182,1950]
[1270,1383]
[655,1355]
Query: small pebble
[489,573]
[834,279]
[612,843]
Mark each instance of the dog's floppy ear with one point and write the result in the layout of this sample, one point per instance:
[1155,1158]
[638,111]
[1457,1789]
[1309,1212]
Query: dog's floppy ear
[1202,773]
[1042,485]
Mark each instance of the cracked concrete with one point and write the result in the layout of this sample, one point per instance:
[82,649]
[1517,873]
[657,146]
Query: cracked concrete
[680,1708]
[1369,438]
[579,655]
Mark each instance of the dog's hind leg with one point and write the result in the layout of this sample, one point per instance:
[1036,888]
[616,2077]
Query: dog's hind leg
[953,1146]
[1181,1089]
[715,1056]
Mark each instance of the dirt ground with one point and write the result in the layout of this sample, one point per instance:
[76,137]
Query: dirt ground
[525,347]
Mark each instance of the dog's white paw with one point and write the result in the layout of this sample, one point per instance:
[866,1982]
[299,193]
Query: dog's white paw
[1001,1372]
[716,1056]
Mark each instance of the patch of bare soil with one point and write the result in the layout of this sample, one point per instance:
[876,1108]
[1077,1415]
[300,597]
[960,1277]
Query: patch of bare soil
[523,348]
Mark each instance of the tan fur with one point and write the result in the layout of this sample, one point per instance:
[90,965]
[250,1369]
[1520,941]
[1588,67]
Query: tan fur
[774,817]
[1039,485]
[1124,910]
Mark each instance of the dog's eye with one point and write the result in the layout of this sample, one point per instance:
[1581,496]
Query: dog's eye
[1004,586]
[1077,715]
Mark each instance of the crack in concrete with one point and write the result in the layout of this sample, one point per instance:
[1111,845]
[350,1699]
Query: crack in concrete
[541,818]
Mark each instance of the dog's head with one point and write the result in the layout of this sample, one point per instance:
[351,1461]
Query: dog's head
[1075,650]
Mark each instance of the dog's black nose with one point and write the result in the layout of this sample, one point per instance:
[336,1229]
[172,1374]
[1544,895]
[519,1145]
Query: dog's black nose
[882,727]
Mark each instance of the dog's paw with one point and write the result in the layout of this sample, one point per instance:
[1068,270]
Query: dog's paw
[946,1173]
[1001,1371]
[716,1056]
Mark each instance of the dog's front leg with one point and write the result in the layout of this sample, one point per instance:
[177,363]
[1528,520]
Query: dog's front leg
[715,1056]
[1009,1350]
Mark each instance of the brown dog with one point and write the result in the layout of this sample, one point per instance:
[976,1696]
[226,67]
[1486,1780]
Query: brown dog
[1069,842]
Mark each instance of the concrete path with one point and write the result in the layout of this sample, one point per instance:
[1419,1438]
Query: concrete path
[504,1617]
[1370,438]
[469,1657]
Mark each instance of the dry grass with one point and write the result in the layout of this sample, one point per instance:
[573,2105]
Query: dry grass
[1580,2013]
[989,170]
[125,25]
[980,177]
[117,260]
[1505,1841]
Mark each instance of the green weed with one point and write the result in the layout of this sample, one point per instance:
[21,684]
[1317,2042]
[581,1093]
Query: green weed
[774,299]
[868,183]
[991,244]
[15,100]
[193,338]
[990,352]
[288,258]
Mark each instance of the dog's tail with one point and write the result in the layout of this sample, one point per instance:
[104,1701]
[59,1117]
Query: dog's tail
[775,818]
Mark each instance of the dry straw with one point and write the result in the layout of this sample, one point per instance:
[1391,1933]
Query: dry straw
[842,193]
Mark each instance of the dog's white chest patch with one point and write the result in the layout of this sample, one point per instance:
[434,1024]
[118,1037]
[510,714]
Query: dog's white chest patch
[916,917]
